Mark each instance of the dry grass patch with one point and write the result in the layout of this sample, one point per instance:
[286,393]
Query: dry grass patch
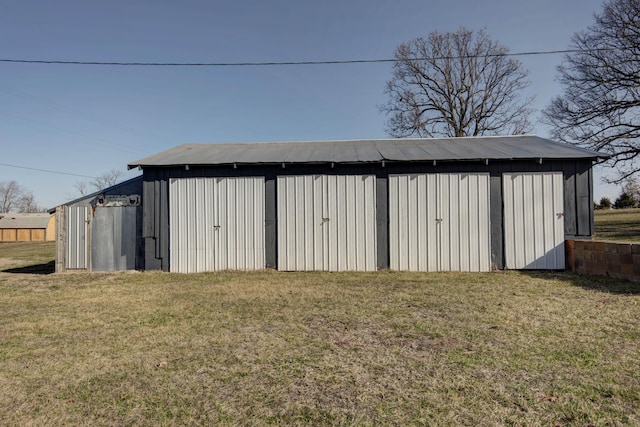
[27,257]
[319,349]
[618,225]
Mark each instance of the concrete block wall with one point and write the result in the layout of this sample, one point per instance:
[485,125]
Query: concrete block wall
[620,260]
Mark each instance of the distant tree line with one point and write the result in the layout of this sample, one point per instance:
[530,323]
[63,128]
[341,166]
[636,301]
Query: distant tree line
[628,198]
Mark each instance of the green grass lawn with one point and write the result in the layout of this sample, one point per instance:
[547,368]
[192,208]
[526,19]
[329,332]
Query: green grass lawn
[621,225]
[265,348]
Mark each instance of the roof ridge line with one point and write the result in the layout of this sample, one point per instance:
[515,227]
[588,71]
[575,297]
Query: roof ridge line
[359,140]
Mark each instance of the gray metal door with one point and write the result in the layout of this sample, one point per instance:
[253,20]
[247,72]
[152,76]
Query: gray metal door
[327,222]
[533,220]
[216,224]
[439,222]
[114,238]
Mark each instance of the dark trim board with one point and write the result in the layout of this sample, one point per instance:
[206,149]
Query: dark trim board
[382,220]
[271,230]
[496,215]
[578,198]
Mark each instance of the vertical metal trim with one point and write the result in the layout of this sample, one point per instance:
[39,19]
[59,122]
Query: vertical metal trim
[270,230]
[61,236]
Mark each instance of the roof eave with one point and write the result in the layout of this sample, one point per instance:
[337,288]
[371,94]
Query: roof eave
[597,157]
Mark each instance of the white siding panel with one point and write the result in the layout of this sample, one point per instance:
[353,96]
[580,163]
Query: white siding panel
[465,228]
[533,220]
[558,221]
[355,231]
[411,186]
[216,224]
[538,211]
[77,238]
[300,213]
[439,222]
[433,228]
[333,223]
[508,223]
[326,222]
[413,211]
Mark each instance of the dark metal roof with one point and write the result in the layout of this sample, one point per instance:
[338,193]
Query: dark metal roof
[122,188]
[373,150]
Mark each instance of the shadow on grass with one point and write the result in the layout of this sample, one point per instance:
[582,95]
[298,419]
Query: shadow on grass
[618,233]
[48,268]
[591,282]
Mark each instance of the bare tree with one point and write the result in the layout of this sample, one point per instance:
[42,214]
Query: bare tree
[27,204]
[632,188]
[10,193]
[456,84]
[14,197]
[82,187]
[600,107]
[106,180]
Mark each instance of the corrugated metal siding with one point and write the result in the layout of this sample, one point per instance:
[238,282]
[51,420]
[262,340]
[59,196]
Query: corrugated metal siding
[77,238]
[533,220]
[413,230]
[327,222]
[465,227]
[301,230]
[113,238]
[439,222]
[216,224]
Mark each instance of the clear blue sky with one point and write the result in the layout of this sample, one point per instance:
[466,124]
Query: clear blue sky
[87,120]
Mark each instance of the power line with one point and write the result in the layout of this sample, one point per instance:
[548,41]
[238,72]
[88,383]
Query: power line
[48,171]
[275,63]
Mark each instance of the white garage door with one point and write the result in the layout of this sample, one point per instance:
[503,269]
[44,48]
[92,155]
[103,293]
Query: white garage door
[533,220]
[439,222]
[216,224]
[327,222]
